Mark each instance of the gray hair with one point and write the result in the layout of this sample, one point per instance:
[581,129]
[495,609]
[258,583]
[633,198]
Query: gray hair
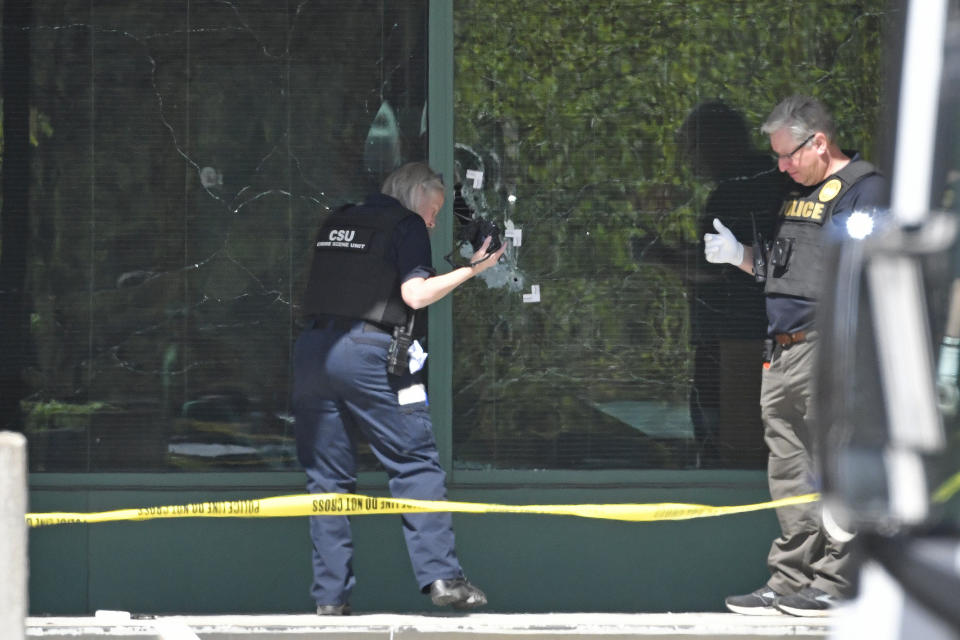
[803,116]
[411,183]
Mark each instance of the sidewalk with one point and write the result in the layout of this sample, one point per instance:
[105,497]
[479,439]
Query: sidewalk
[389,626]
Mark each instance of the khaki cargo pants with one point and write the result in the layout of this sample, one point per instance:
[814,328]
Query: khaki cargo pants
[803,555]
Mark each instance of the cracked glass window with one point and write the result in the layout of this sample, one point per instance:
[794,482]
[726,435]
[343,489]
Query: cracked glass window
[166,167]
[605,137]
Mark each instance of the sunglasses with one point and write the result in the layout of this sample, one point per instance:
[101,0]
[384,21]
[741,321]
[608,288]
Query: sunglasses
[789,156]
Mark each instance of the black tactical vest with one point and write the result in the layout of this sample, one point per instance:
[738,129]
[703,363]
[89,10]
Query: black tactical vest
[350,275]
[795,258]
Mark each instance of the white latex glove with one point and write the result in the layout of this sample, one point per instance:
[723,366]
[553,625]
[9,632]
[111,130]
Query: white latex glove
[416,356]
[722,247]
[948,395]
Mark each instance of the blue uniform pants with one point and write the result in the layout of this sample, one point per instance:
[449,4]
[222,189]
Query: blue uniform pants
[342,392]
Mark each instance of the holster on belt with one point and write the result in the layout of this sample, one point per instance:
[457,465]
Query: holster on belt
[767,352]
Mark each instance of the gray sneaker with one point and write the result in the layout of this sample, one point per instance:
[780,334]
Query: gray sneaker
[457,592]
[333,609]
[809,602]
[757,603]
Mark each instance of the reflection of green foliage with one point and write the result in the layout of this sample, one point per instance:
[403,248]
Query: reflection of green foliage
[40,125]
[55,407]
[574,107]
[41,413]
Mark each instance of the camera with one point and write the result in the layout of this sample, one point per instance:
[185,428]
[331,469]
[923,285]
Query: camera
[473,228]
[479,229]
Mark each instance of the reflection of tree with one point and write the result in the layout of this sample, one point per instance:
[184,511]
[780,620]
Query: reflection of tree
[147,285]
[14,215]
[580,103]
[193,151]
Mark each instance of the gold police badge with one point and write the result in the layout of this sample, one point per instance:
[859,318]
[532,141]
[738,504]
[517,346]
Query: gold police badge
[830,190]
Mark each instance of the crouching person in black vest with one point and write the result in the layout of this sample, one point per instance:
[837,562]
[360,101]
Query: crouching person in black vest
[371,272]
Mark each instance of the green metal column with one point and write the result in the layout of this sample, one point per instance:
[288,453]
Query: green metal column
[440,132]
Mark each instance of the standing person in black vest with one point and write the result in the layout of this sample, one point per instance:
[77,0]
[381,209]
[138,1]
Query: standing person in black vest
[810,572]
[371,272]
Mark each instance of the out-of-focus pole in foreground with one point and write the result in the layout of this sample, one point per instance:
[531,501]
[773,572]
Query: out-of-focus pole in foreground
[13,534]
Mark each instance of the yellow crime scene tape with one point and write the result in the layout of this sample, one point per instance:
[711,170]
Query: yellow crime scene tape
[948,489]
[348,504]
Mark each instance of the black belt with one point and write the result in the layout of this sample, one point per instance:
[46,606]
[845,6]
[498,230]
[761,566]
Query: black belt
[345,324]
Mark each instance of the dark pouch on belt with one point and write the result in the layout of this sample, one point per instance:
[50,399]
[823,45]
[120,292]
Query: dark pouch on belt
[780,253]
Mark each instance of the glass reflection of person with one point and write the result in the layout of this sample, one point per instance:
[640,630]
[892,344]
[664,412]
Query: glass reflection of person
[727,317]
[371,270]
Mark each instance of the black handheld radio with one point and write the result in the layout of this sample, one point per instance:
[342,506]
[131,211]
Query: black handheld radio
[398,357]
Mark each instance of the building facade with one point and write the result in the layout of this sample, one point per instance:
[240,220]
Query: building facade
[165,166]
